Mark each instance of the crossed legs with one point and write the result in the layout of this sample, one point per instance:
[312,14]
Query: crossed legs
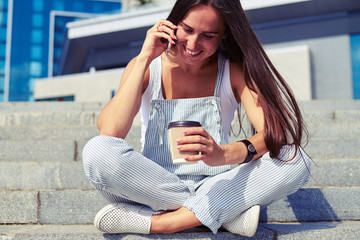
[123,175]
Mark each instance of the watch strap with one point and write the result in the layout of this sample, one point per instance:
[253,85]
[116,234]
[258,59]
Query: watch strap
[250,149]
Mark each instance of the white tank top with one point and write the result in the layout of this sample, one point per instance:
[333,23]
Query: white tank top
[227,101]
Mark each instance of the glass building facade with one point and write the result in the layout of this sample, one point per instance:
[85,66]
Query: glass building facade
[355,57]
[3,34]
[31,32]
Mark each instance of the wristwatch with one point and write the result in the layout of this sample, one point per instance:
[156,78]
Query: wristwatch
[251,150]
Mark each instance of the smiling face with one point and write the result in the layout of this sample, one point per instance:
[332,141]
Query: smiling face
[199,34]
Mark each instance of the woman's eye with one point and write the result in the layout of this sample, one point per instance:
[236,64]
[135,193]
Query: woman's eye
[187,30]
[207,36]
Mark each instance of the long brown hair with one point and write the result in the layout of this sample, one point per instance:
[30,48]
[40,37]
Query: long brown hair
[283,120]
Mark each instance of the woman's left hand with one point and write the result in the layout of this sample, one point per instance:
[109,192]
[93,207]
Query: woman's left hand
[197,139]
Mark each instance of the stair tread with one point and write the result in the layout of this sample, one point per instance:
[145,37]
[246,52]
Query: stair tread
[80,206]
[66,132]
[316,230]
[57,175]
[90,117]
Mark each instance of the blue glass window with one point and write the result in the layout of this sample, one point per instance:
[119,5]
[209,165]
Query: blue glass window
[38,5]
[35,69]
[36,52]
[2,50]
[32,84]
[37,20]
[55,68]
[36,36]
[59,38]
[78,6]
[97,8]
[59,5]
[3,4]
[355,57]
[57,52]
[3,34]
[3,18]
[2,67]
[2,82]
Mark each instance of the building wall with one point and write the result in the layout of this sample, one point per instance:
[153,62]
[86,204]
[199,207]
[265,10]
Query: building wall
[331,65]
[82,87]
[311,49]
[292,62]
[294,65]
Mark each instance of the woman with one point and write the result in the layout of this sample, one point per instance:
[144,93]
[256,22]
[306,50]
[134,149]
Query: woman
[215,63]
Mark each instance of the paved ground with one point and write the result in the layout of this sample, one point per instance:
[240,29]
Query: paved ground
[44,194]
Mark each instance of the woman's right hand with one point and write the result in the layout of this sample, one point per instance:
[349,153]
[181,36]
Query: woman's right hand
[154,44]
[116,118]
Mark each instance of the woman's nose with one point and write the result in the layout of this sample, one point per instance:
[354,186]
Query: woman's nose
[192,42]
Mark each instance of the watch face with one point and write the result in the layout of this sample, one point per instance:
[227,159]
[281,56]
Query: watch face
[251,148]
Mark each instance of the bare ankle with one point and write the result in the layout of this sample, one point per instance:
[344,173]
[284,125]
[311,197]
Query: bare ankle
[172,222]
[158,225]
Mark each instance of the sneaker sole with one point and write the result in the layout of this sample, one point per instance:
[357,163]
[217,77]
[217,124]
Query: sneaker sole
[255,213]
[101,213]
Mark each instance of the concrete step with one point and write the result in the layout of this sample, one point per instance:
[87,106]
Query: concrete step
[48,118]
[335,148]
[329,104]
[329,148]
[41,150]
[62,175]
[80,206]
[335,172]
[329,129]
[285,231]
[90,117]
[331,116]
[27,176]
[50,106]
[27,149]
[53,113]
[97,106]
[335,130]
[41,132]
[73,132]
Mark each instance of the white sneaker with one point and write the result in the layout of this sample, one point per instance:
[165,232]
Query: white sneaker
[123,218]
[246,223]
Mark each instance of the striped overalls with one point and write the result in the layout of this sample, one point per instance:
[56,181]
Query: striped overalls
[215,194]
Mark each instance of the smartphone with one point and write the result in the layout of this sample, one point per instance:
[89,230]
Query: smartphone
[168,49]
[169,44]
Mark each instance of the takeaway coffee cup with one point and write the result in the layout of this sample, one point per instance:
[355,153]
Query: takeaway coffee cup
[176,131]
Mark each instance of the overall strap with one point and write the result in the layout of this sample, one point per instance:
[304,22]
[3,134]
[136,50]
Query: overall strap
[221,68]
[156,76]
